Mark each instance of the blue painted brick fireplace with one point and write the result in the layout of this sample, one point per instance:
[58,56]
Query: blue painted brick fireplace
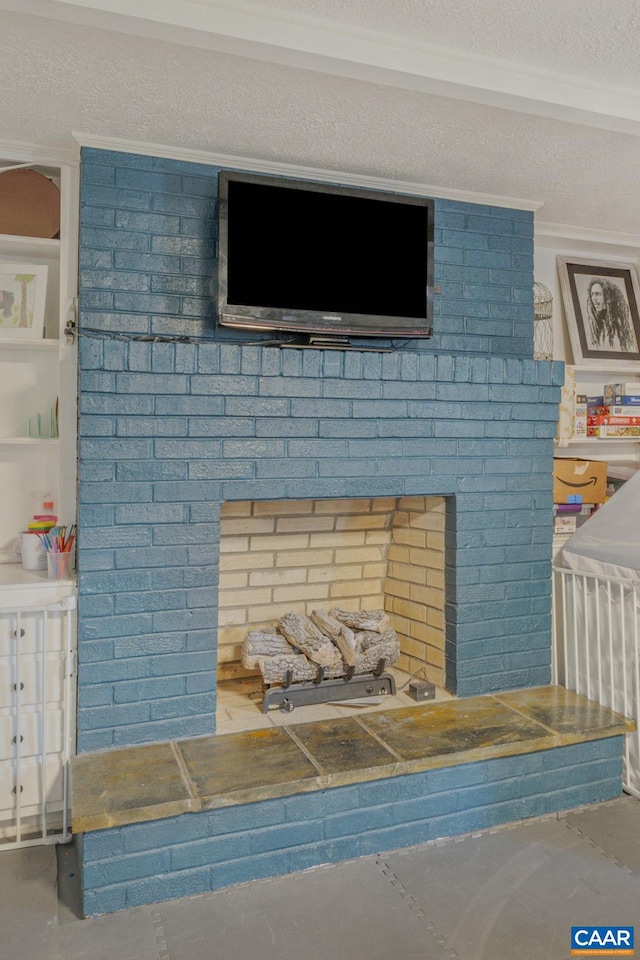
[169,431]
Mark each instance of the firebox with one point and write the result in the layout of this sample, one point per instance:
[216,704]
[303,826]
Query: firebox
[301,556]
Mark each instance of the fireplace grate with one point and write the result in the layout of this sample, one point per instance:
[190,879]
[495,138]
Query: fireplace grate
[287,696]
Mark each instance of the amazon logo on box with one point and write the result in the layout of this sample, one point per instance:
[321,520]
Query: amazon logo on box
[579,481]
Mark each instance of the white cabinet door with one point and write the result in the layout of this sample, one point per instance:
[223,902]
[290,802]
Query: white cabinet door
[37,714]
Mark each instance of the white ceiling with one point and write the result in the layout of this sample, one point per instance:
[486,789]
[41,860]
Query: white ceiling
[536,101]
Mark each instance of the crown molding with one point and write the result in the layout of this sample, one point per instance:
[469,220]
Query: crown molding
[566,231]
[244,29]
[275,168]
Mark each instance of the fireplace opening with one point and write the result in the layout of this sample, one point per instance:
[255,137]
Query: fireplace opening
[299,556]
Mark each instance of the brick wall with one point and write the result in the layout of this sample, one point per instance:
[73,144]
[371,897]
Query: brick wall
[171,434]
[297,555]
[414,586]
[148,259]
[170,431]
[149,509]
[181,856]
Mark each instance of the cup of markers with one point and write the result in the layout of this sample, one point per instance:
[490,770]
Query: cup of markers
[59,550]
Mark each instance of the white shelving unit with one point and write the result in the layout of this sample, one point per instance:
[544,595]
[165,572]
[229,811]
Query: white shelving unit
[551,241]
[591,382]
[577,242]
[37,615]
[609,449]
[35,374]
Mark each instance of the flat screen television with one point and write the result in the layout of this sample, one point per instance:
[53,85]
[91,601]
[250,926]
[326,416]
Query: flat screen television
[314,258]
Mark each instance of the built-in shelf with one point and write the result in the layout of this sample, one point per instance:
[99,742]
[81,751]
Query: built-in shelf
[37,392]
[581,441]
[27,441]
[37,247]
[14,575]
[30,345]
[614,366]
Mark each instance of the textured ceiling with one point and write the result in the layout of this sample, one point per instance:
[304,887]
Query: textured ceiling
[585,38]
[59,77]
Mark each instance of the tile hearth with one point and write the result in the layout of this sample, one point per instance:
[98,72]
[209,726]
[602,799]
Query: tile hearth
[153,781]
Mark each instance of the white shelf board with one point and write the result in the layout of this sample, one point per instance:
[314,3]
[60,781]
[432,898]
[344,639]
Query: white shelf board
[29,247]
[575,441]
[14,575]
[42,344]
[617,367]
[26,441]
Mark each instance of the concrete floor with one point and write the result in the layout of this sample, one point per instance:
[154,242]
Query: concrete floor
[509,892]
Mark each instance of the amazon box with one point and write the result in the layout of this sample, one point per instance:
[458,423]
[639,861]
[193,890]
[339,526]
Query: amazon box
[579,481]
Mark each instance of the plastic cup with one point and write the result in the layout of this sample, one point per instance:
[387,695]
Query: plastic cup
[33,553]
[59,565]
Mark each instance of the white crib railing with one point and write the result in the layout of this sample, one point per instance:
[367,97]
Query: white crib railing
[596,649]
[37,710]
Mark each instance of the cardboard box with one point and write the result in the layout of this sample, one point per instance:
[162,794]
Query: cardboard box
[579,481]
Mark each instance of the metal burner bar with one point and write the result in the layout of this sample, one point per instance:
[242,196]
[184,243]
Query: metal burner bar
[303,694]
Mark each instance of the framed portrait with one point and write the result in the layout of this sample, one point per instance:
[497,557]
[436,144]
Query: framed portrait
[601,301]
[23,288]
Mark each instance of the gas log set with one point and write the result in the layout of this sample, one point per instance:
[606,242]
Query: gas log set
[331,655]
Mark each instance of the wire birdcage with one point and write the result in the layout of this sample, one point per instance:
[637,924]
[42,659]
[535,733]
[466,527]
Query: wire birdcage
[543,322]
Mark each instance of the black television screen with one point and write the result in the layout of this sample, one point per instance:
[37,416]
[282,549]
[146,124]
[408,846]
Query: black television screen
[317,258]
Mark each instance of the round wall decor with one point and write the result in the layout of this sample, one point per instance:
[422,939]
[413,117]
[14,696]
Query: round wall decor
[29,204]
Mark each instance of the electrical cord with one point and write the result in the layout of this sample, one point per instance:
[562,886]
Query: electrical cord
[96,334]
[421,672]
[73,330]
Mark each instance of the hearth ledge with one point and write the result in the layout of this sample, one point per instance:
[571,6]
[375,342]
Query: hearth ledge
[154,781]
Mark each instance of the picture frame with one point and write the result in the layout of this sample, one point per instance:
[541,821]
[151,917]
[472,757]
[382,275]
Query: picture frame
[23,289]
[601,300]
